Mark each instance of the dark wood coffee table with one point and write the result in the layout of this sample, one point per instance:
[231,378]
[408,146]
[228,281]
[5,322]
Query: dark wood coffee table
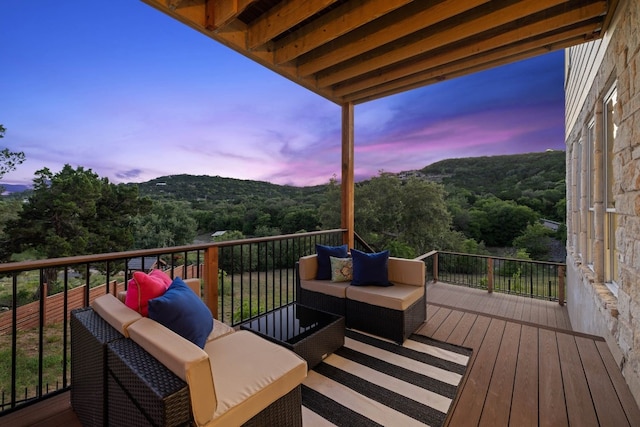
[310,333]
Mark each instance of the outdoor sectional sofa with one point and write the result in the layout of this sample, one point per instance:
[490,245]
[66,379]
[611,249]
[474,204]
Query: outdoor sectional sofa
[130,370]
[392,312]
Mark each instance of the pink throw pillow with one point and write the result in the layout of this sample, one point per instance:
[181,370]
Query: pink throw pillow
[144,287]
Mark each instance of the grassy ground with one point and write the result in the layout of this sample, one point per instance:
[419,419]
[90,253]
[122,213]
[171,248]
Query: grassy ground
[28,284]
[254,293]
[27,362]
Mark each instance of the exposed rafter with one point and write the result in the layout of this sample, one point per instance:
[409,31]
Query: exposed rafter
[353,51]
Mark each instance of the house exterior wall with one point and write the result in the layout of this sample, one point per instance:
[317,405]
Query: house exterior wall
[603,234]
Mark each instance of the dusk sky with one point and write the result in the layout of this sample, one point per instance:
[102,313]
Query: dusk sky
[124,90]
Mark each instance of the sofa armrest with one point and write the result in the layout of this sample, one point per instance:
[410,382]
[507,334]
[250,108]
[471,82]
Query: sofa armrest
[407,271]
[115,313]
[185,359]
[308,267]
[194,284]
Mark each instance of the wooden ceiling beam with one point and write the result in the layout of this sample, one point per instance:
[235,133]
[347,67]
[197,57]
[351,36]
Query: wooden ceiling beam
[361,50]
[403,50]
[223,13]
[357,42]
[527,37]
[381,93]
[190,13]
[281,18]
[492,59]
[332,25]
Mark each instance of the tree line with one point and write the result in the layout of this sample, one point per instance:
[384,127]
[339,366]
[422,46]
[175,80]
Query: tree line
[460,204]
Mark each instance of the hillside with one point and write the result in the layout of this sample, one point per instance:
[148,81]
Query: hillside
[217,189]
[508,176]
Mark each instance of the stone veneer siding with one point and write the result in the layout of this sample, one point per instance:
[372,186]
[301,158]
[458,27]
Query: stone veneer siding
[592,307]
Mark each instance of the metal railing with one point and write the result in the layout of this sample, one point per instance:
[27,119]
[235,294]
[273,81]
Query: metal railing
[240,280]
[534,279]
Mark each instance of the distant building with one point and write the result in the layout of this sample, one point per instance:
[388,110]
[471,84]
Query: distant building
[552,225]
[145,264]
[218,233]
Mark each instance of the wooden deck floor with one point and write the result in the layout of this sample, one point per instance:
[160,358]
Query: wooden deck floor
[527,367]
[539,312]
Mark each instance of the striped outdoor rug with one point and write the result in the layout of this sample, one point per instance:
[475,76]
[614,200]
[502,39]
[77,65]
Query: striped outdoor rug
[371,382]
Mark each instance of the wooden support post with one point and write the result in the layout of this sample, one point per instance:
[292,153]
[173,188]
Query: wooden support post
[561,285]
[211,279]
[347,183]
[490,275]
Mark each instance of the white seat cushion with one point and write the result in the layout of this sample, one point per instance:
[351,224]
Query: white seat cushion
[396,297]
[327,287]
[249,374]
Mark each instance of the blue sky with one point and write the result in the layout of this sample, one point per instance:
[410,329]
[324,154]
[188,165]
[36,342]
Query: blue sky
[132,94]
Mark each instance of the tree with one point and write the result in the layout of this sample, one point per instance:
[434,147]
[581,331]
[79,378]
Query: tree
[329,211]
[394,214]
[167,223]
[535,240]
[74,212]
[9,211]
[9,160]
[300,219]
[497,222]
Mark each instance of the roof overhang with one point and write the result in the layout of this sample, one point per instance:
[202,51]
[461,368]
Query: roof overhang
[360,50]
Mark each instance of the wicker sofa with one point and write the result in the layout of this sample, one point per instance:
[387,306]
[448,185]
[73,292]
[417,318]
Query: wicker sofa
[142,373]
[393,312]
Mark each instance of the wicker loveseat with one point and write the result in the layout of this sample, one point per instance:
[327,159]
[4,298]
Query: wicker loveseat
[139,372]
[392,312]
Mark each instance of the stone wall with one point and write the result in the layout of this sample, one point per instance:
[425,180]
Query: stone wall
[592,307]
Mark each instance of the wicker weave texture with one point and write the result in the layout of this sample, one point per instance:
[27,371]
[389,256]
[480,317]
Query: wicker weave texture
[284,412]
[142,391]
[320,344]
[384,322]
[321,301]
[89,336]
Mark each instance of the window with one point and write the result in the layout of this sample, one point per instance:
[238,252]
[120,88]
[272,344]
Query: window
[577,205]
[610,131]
[591,169]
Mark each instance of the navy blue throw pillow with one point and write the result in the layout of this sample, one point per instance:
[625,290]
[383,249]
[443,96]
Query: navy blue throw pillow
[182,311]
[324,262]
[370,269]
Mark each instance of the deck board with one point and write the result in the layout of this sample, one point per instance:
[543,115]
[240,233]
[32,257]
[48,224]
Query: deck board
[434,323]
[550,377]
[525,387]
[630,408]
[474,392]
[575,384]
[495,304]
[450,323]
[462,329]
[497,409]
[608,407]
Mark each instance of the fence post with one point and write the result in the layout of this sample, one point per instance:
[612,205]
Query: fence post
[211,279]
[435,267]
[490,275]
[561,284]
